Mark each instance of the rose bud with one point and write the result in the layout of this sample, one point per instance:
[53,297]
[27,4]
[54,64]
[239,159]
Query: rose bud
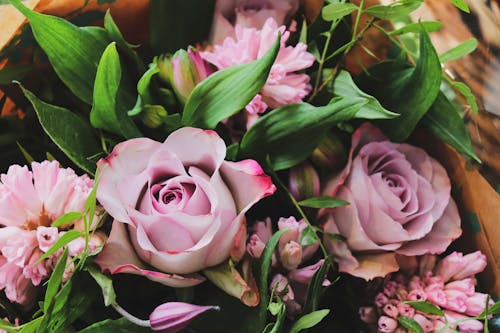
[293,232]
[291,255]
[304,181]
[174,316]
[417,295]
[330,155]
[473,263]
[425,323]
[367,314]
[183,71]
[387,325]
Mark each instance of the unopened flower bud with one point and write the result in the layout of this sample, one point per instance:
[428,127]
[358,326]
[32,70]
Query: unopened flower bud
[174,316]
[425,323]
[391,310]
[46,237]
[476,304]
[330,155]
[255,246]
[304,181]
[387,324]
[406,310]
[282,288]
[291,255]
[182,71]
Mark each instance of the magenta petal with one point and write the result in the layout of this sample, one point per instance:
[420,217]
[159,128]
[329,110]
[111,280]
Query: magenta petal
[173,316]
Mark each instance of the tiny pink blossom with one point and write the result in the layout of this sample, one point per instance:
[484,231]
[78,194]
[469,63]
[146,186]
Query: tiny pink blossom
[406,310]
[281,287]
[417,295]
[34,271]
[255,246]
[436,296]
[305,274]
[174,316]
[455,300]
[476,304]
[18,248]
[425,323]
[390,288]
[466,286]
[391,310]
[473,263]
[387,324]
[46,237]
[381,300]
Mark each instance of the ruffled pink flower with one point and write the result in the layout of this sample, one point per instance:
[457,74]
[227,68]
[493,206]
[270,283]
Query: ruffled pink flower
[283,85]
[400,203]
[29,202]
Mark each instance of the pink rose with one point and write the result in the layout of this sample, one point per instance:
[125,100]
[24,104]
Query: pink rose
[399,204]
[178,206]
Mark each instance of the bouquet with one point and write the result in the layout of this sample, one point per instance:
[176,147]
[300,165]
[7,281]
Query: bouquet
[246,166]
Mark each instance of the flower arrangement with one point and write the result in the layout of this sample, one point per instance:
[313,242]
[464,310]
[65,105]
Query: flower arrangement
[235,173]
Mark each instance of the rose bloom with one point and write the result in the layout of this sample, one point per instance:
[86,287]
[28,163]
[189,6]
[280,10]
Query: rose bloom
[178,206]
[399,204]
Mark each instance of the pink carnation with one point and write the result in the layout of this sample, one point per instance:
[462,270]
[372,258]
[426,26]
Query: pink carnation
[29,202]
[283,85]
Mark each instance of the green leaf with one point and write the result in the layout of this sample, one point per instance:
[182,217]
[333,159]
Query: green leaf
[144,84]
[175,24]
[116,35]
[461,4]
[409,92]
[106,284]
[444,121]
[279,320]
[426,307]
[308,236]
[265,265]
[411,324]
[492,310]
[70,132]
[459,51]
[8,327]
[337,10]
[121,325]
[416,27]
[62,241]
[397,9]
[27,156]
[7,75]
[67,218]
[73,52]
[32,326]
[289,134]
[464,89]
[106,112]
[344,86]
[55,281]
[323,202]
[309,320]
[228,91]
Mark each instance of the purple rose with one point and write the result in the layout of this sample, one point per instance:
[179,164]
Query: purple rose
[399,204]
[178,206]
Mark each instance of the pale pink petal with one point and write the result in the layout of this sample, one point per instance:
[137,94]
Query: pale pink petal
[173,316]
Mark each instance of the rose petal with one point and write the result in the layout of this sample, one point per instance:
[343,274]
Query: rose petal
[247,182]
[118,256]
[206,149]
[445,230]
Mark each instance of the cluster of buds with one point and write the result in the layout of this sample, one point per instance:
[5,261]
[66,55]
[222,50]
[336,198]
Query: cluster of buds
[290,280]
[448,283]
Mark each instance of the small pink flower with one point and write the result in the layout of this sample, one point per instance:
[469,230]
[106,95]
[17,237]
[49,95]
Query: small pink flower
[292,233]
[368,314]
[390,288]
[391,310]
[255,246]
[381,300]
[36,272]
[172,317]
[476,304]
[425,323]
[455,300]
[387,324]
[417,295]
[18,248]
[305,274]
[466,286]
[283,86]
[464,323]
[473,263]
[406,310]
[281,287]
[46,237]
[291,255]
[436,296]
